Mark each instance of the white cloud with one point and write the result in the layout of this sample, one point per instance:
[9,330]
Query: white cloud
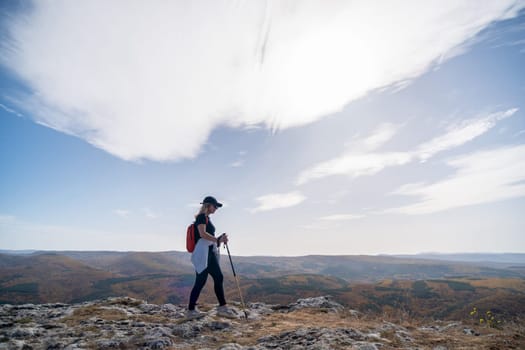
[354,165]
[384,133]
[122,212]
[481,177]
[237,163]
[10,110]
[359,160]
[459,134]
[152,80]
[362,162]
[150,214]
[278,200]
[341,217]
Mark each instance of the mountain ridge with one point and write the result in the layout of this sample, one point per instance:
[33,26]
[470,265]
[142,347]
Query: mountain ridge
[458,256]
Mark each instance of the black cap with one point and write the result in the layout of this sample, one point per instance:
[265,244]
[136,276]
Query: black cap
[212,200]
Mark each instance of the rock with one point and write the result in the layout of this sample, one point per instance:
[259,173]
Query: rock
[21,333]
[389,326]
[24,307]
[158,343]
[258,310]
[469,331]
[429,328]
[218,325]
[365,346]
[110,344]
[149,308]
[354,313]
[188,330]
[439,328]
[51,344]
[320,338]
[236,313]
[12,344]
[169,308]
[450,325]
[159,332]
[49,326]
[6,324]
[375,336]
[404,336]
[323,302]
[234,346]
[231,346]
[56,305]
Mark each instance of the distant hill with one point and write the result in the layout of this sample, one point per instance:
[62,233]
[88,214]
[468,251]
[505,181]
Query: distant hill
[502,258]
[134,263]
[435,298]
[366,268]
[46,277]
[372,268]
[74,277]
[17,252]
[379,284]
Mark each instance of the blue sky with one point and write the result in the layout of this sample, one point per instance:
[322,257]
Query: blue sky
[325,129]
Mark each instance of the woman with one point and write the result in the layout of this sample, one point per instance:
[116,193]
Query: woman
[205,259]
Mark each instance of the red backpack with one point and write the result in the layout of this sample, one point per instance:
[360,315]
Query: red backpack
[192,236]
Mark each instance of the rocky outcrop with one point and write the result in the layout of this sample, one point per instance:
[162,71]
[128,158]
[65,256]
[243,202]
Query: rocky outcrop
[312,323]
[323,302]
[320,338]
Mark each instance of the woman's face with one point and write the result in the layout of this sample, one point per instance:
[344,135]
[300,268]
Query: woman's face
[212,209]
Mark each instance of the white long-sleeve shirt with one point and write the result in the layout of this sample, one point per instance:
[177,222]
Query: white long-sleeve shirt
[199,257]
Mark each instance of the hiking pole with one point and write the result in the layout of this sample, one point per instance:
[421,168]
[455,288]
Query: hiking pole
[237,281]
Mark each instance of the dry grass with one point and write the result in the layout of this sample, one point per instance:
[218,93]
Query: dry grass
[87,312]
[277,323]
[111,314]
[124,301]
[513,337]
[247,332]
[151,319]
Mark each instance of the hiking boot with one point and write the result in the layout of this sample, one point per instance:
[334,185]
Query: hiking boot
[194,314]
[225,311]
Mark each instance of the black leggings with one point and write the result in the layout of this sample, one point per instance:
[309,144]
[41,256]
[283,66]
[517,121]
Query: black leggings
[200,280]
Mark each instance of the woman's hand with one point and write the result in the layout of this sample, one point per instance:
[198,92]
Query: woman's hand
[223,238]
